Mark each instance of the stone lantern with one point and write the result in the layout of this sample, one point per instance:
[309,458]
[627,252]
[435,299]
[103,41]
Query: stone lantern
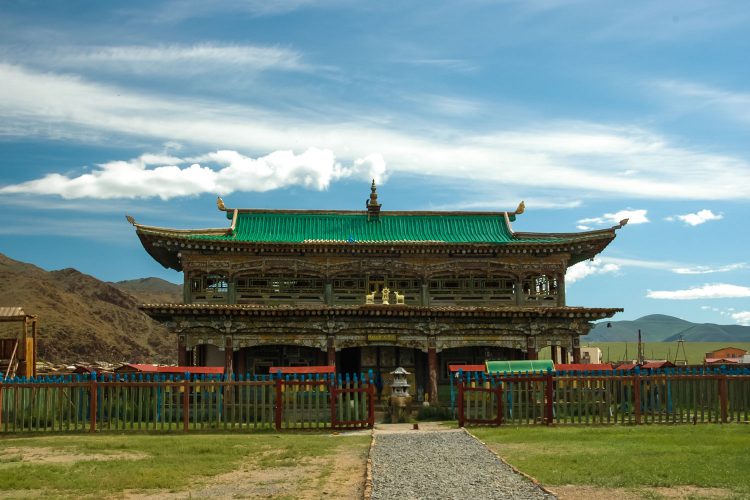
[400,400]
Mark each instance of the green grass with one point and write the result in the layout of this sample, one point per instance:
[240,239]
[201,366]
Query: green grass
[171,462]
[707,456]
[696,351]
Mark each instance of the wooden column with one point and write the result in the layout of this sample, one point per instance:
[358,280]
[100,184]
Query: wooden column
[576,349]
[432,374]
[328,293]
[186,291]
[182,357]
[33,343]
[331,352]
[228,356]
[518,291]
[531,353]
[553,354]
[561,289]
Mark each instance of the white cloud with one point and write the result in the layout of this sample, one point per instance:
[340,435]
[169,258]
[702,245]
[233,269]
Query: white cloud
[730,103]
[505,204]
[584,161]
[708,291]
[708,270]
[175,59]
[139,178]
[633,216]
[586,268]
[742,317]
[697,218]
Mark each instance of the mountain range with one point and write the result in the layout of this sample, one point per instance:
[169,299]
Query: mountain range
[663,328]
[83,318]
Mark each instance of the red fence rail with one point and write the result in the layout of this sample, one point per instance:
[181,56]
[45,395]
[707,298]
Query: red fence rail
[604,398]
[160,403]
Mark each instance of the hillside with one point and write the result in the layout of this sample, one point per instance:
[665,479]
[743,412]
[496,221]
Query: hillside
[151,290]
[662,328]
[82,318]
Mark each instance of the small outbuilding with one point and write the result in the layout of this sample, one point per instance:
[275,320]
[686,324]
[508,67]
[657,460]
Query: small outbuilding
[18,332]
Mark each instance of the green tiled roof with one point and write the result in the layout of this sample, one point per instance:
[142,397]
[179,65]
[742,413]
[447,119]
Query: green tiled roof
[355,227]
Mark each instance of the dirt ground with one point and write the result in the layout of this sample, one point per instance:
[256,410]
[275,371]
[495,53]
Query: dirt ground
[337,476]
[571,492]
[57,456]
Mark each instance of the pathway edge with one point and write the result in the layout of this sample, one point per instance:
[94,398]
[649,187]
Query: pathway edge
[534,480]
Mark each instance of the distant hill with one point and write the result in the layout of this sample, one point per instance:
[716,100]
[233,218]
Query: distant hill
[663,328]
[82,318]
[152,290]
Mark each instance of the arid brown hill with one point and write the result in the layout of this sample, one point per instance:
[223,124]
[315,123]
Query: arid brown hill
[152,290]
[82,318]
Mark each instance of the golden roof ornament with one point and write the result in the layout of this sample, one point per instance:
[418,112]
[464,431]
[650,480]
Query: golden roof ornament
[373,207]
[521,208]
[130,220]
[220,204]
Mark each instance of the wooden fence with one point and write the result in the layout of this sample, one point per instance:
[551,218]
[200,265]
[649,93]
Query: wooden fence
[666,397]
[161,403]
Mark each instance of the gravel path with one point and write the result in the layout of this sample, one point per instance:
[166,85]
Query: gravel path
[447,464]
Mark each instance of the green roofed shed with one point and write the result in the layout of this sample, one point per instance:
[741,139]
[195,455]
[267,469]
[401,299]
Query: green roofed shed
[523,366]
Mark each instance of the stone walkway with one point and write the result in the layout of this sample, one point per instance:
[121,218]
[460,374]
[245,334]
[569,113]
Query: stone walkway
[435,462]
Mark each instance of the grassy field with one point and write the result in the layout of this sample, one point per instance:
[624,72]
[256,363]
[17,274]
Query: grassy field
[180,465]
[635,462]
[615,351]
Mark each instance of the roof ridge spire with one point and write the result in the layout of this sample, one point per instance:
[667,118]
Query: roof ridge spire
[373,207]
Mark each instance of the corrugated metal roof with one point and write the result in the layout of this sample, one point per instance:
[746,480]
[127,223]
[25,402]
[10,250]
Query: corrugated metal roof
[11,312]
[355,227]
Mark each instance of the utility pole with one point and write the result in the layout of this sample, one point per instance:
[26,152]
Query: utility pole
[640,348]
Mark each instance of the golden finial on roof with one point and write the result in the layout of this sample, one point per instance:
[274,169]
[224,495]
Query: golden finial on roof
[373,207]
[623,222]
[130,220]
[220,204]
[521,208]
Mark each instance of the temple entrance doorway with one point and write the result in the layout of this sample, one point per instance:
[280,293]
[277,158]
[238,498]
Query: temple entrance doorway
[257,360]
[348,360]
[382,360]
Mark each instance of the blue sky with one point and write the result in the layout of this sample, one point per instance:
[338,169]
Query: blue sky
[590,111]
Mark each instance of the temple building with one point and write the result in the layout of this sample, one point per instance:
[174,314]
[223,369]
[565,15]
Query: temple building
[371,290]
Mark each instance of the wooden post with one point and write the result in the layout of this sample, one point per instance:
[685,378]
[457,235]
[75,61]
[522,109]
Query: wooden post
[186,403]
[33,343]
[334,400]
[549,398]
[553,354]
[432,374]
[637,397]
[1,401]
[723,398]
[461,400]
[92,403]
[531,353]
[331,352]
[181,351]
[279,403]
[370,403]
[228,358]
